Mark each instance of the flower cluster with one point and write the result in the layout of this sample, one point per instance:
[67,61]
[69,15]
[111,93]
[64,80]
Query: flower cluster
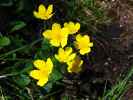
[58,37]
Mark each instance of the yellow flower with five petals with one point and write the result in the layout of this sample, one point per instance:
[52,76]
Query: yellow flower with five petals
[42,72]
[43,13]
[72,27]
[65,55]
[57,36]
[75,65]
[83,44]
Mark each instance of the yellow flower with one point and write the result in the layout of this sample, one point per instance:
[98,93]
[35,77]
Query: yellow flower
[57,36]
[44,13]
[42,72]
[73,27]
[75,65]
[65,55]
[83,44]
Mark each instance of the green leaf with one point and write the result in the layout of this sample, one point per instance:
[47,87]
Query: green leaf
[45,45]
[28,67]
[25,7]
[4,41]
[56,75]
[22,80]
[65,98]
[17,25]
[48,86]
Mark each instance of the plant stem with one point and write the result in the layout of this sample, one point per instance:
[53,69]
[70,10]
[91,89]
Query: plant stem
[18,49]
[53,93]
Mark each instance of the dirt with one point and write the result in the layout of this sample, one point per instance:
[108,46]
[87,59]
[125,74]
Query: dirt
[120,46]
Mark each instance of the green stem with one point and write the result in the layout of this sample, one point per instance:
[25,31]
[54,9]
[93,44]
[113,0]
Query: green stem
[1,92]
[53,93]
[1,34]
[8,75]
[16,59]
[18,49]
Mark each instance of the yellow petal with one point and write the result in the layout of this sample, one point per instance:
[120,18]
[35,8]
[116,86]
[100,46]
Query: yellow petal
[43,13]
[75,65]
[56,26]
[35,74]
[61,54]
[41,9]
[40,64]
[36,14]
[72,56]
[61,51]
[86,38]
[64,42]
[81,62]
[49,65]
[47,34]
[68,50]
[84,51]
[77,26]
[55,43]
[49,9]
[78,37]
[65,24]
[72,27]
[71,24]
[65,31]
[48,16]
[69,67]
[91,44]
[65,55]
[57,57]
[42,81]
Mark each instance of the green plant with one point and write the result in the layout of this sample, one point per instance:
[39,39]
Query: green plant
[117,90]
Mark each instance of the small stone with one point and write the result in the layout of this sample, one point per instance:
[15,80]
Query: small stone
[106,64]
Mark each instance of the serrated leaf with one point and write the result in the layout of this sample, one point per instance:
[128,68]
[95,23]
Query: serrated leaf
[17,25]
[4,41]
